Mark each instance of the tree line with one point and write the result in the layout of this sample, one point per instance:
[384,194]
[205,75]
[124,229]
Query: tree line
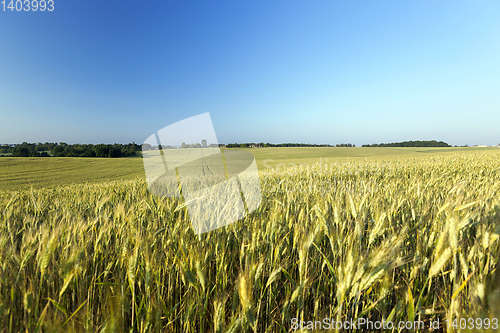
[432,143]
[63,149]
[262,144]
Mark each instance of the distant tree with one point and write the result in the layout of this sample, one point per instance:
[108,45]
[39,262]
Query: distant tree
[130,151]
[114,152]
[204,143]
[57,150]
[432,143]
[88,153]
[74,150]
[101,150]
[22,152]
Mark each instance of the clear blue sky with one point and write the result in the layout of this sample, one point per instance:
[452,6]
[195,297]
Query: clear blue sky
[274,70]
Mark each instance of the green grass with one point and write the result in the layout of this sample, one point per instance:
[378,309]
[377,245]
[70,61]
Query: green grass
[413,238]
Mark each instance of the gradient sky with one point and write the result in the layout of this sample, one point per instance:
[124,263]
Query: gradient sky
[273,70]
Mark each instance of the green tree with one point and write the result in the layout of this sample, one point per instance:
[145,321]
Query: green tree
[22,152]
[57,150]
[101,150]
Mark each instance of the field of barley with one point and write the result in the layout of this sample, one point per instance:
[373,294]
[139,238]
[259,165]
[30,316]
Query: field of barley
[394,239]
[18,173]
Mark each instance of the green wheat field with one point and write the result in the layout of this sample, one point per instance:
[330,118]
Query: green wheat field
[387,234]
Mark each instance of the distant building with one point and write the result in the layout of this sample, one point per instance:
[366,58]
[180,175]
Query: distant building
[480,146]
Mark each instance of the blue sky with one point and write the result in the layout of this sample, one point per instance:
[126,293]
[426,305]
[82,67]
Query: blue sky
[273,71]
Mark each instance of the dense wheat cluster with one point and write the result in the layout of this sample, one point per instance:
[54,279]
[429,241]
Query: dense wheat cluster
[395,240]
